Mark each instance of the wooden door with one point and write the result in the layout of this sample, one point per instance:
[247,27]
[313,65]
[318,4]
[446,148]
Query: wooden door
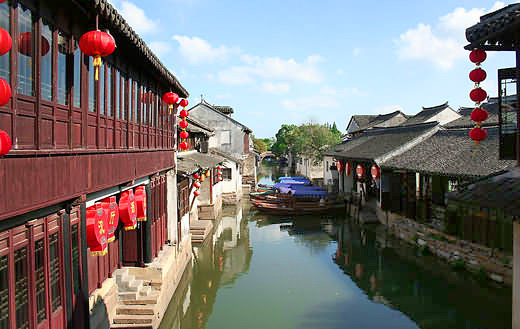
[77,305]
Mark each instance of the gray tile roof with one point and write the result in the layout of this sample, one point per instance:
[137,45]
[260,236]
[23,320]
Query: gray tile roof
[190,162]
[499,191]
[465,120]
[425,114]
[212,107]
[384,120]
[377,142]
[195,126]
[119,28]
[450,152]
[497,28]
[363,120]
[224,109]
[226,155]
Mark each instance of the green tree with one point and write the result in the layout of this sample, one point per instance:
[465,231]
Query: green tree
[259,145]
[269,142]
[285,140]
[314,139]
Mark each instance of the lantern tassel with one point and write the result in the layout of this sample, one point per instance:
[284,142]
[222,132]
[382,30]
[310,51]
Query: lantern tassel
[97,64]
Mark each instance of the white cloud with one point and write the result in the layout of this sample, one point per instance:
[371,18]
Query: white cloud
[310,102]
[160,48]
[276,88]
[136,17]
[272,68]
[443,43]
[196,50]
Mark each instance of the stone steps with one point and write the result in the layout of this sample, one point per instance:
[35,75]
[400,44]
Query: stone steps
[135,310]
[133,319]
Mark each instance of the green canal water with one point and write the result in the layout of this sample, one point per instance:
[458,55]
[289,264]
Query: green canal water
[263,271]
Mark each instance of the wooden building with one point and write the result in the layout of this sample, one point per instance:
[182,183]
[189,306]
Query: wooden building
[77,141]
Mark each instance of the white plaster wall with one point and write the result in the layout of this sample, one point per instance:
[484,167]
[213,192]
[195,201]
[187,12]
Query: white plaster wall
[348,182]
[229,186]
[306,168]
[171,207]
[445,116]
[327,174]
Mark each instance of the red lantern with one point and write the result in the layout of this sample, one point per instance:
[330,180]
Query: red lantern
[219,178]
[183,146]
[5,42]
[183,103]
[183,124]
[339,165]
[219,173]
[360,171]
[140,202]
[477,75]
[348,168]
[196,193]
[479,115]
[477,56]
[196,184]
[375,171]
[5,92]
[25,44]
[170,99]
[97,44]
[478,134]
[128,210]
[184,114]
[110,206]
[478,95]
[96,230]
[5,143]
[196,176]
[184,134]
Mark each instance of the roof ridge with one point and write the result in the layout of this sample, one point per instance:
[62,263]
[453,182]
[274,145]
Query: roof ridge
[436,106]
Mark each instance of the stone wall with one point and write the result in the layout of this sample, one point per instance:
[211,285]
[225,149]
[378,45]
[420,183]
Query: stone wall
[249,170]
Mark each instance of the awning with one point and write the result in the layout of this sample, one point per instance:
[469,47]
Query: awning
[193,161]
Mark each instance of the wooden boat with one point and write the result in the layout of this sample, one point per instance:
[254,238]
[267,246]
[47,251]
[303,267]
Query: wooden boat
[293,206]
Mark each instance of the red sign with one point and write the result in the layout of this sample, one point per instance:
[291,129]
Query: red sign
[110,206]
[97,230]
[375,171]
[140,201]
[128,210]
[360,171]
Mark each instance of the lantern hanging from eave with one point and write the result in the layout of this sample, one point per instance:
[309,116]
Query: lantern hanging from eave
[360,171]
[348,168]
[183,124]
[184,134]
[128,210]
[5,42]
[97,44]
[220,178]
[196,193]
[184,114]
[5,143]
[183,103]
[25,44]
[140,202]
[5,92]
[196,176]
[110,205]
[374,170]
[196,184]
[478,95]
[96,230]
[339,165]
[170,98]
[183,146]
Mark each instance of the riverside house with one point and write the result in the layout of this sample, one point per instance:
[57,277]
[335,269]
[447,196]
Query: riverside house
[78,141]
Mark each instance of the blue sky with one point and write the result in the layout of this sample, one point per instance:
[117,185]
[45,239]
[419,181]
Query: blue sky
[291,61]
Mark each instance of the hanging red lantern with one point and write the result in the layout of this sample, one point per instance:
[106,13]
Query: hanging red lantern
[25,44]
[477,56]
[97,44]
[5,92]
[140,202]
[5,42]
[196,193]
[218,168]
[196,176]
[128,210]
[477,75]
[183,103]
[360,171]
[96,230]
[5,143]
[348,168]
[219,173]
[183,146]
[375,171]
[478,134]
[184,134]
[478,95]
[184,114]
[196,184]
[170,98]
[339,165]
[111,207]
[479,115]
[219,178]
[183,124]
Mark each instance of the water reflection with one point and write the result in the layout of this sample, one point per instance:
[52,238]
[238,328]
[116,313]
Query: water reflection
[261,271]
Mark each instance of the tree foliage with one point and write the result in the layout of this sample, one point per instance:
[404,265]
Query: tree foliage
[259,145]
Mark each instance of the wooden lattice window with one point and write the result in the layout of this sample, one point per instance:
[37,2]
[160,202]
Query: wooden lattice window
[75,258]
[41,289]
[226,173]
[54,262]
[183,195]
[4,292]
[21,288]
[508,112]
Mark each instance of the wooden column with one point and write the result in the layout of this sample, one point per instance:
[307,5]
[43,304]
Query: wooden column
[516,275]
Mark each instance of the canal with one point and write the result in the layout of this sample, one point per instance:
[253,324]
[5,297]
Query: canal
[264,271]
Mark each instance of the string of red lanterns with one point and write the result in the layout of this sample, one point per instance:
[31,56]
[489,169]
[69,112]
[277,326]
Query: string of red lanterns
[478,95]
[219,174]
[196,184]
[183,124]
[170,98]
[6,42]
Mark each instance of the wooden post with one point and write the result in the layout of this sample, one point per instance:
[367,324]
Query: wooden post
[517,108]
[516,275]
